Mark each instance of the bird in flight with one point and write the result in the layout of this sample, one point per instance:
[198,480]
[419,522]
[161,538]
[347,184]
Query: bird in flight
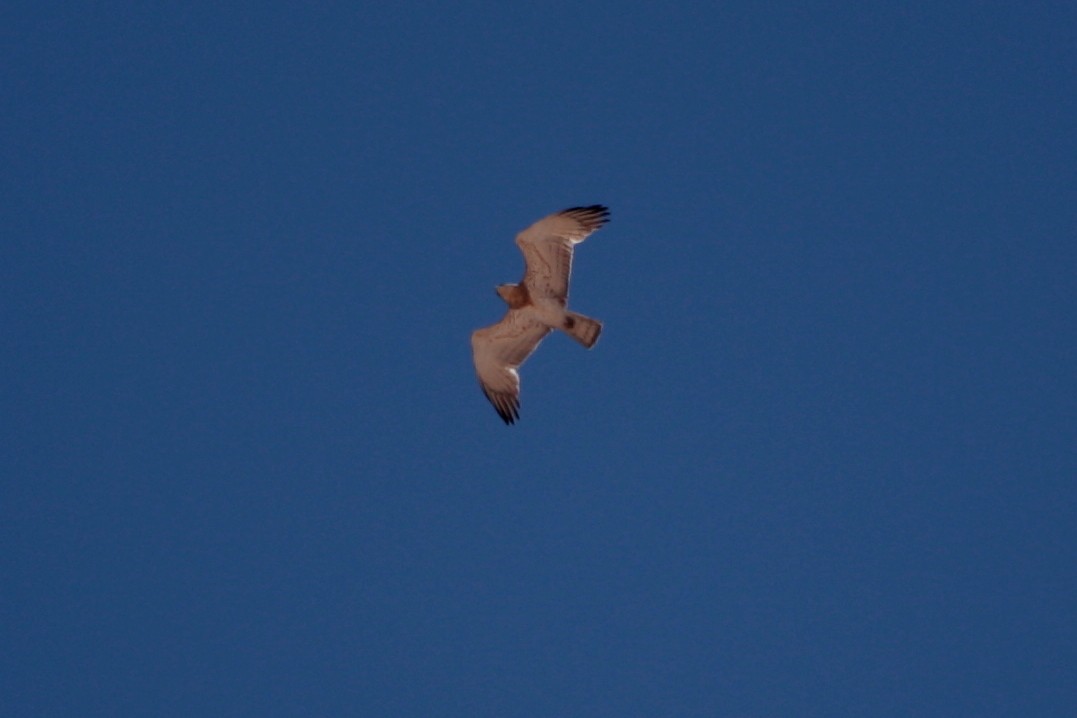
[537,305]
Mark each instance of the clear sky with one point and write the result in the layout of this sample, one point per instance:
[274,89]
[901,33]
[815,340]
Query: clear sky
[821,463]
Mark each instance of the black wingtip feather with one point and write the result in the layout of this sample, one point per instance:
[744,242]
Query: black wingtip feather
[506,412]
[597,213]
[507,408]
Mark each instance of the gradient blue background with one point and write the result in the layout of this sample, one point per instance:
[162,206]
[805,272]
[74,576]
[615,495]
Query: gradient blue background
[821,463]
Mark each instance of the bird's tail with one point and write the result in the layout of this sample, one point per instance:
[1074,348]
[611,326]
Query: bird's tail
[583,329]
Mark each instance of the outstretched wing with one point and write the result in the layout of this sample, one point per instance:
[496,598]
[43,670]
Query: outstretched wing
[547,247]
[498,350]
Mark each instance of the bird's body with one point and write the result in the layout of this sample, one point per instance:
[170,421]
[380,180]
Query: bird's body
[538,304]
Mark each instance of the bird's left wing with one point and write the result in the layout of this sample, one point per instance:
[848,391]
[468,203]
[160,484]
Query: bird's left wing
[547,248]
[498,350]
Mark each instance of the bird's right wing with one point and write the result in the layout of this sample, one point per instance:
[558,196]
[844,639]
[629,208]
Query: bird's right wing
[498,350]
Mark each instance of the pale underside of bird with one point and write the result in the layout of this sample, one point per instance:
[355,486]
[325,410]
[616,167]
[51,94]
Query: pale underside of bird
[538,304]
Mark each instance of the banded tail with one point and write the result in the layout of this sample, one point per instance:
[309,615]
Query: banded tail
[583,329]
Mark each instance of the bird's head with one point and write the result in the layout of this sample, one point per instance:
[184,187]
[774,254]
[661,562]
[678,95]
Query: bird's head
[515,295]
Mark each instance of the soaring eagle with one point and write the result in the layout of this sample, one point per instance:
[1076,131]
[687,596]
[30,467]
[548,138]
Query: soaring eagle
[537,305]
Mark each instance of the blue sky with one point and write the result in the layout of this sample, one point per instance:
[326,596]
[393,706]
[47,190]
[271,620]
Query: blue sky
[821,462]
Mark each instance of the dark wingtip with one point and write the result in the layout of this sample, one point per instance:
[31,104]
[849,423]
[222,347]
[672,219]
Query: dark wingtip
[509,416]
[597,213]
[505,406]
